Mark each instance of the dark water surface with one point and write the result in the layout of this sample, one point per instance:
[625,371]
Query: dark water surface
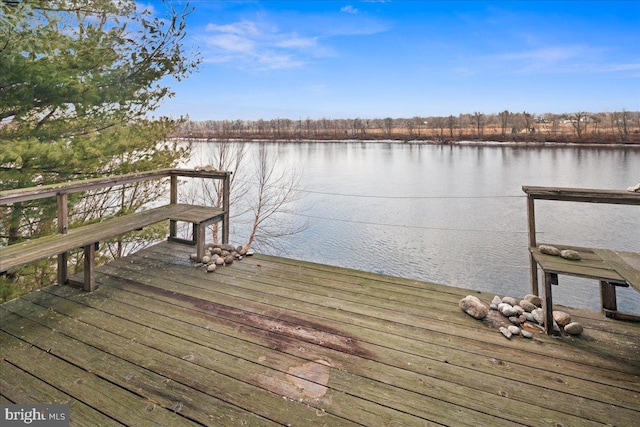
[455,214]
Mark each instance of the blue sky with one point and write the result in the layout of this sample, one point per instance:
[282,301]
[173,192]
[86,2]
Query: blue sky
[348,59]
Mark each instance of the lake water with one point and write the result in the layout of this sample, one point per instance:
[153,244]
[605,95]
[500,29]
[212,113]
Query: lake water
[450,214]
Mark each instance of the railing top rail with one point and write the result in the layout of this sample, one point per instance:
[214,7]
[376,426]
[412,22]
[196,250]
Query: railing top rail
[588,195]
[40,192]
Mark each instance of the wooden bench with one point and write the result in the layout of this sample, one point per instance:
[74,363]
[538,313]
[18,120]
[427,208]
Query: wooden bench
[88,236]
[611,268]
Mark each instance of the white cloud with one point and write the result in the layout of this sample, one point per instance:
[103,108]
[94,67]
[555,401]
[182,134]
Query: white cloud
[256,45]
[281,41]
[556,60]
[241,28]
[297,42]
[548,54]
[145,7]
[349,9]
[231,43]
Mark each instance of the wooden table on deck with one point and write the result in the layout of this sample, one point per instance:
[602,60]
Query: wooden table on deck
[612,268]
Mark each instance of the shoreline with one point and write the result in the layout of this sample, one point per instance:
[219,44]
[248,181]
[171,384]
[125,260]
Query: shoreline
[467,143]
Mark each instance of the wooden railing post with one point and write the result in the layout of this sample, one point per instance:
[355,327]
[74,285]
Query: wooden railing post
[63,226]
[173,199]
[226,191]
[533,266]
[89,267]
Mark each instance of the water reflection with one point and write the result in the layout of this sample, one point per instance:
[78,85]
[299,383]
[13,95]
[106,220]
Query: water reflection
[456,214]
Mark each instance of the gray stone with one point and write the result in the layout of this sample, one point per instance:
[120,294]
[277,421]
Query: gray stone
[219,261]
[528,316]
[549,250]
[509,300]
[473,307]
[526,334]
[527,305]
[569,254]
[574,328]
[562,318]
[228,259]
[515,320]
[216,251]
[514,329]
[506,332]
[206,259]
[193,256]
[538,316]
[496,300]
[533,299]
[522,318]
[508,311]
[211,268]
[227,247]
[519,310]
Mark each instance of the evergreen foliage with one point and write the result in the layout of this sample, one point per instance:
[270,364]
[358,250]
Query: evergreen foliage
[79,82]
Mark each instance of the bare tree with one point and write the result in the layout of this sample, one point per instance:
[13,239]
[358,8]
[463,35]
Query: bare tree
[620,119]
[388,126]
[504,122]
[479,120]
[579,121]
[451,123]
[275,193]
[528,120]
[223,155]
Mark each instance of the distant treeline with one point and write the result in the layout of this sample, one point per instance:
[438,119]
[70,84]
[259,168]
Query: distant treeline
[581,127]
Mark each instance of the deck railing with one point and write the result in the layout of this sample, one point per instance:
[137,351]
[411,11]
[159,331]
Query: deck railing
[617,197]
[62,191]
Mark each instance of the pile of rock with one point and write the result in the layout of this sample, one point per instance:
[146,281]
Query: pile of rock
[566,254]
[513,317]
[220,255]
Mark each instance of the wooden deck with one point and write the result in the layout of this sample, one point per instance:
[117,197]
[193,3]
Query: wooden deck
[273,341]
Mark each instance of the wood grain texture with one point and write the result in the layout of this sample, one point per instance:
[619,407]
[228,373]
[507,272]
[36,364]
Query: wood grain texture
[274,341]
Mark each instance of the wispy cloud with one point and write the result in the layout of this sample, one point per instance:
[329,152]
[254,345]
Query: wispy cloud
[253,44]
[553,54]
[349,9]
[268,43]
[580,58]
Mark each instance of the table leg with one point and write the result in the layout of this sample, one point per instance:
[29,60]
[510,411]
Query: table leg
[608,296]
[547,302]
[199,238]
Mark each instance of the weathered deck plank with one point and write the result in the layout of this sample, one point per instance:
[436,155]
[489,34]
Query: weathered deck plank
[24,387]
[362,309]
[102,353]
[273,341]
[119,404]
[451,352]
[246,365]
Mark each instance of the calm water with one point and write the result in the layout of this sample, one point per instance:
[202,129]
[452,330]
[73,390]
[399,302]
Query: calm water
[454,215]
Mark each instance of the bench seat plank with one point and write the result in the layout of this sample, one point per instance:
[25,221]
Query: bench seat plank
[44,247]
[196,214]
[585,267]
[627,264]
